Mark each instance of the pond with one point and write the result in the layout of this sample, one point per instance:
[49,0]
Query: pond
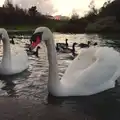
[31,85]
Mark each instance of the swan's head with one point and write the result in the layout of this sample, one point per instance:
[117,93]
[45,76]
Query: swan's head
[3,34]
[66,40]
[89,42]
[38,47]
[40,34]
[75,43]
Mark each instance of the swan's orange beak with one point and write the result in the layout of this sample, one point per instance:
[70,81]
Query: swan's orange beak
[36,42]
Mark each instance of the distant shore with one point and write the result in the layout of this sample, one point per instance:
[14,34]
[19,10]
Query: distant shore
[20,32]
[91,29]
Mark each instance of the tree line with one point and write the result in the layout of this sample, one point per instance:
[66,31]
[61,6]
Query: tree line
[14,15]
[105,19]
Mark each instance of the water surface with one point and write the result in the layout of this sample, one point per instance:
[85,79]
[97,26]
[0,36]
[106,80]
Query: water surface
[32,85]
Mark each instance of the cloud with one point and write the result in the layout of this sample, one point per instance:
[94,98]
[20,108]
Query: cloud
[64,7]
[43,6]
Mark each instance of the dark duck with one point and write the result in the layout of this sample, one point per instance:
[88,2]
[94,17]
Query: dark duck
[95,44]
[73,49]
[83,45]
[12,41]
[74,54]
[63,45]
[30,52]
[66,50]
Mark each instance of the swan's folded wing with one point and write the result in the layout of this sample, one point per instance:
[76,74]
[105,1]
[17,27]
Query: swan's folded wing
[81,62]
[93,74]
[20,61]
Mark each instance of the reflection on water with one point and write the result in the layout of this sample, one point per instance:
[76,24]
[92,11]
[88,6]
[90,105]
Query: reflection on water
[101,107]
[32,84]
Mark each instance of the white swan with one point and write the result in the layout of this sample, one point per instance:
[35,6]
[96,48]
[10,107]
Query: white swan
[92,71]
[12,63]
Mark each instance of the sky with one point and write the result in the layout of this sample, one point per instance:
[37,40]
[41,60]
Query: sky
[57,7]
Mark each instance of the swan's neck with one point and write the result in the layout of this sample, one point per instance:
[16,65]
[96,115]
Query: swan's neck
[73,48]
[6,60]
[53,80]
[13,41]
[37,50]
[36,53]
[66,44]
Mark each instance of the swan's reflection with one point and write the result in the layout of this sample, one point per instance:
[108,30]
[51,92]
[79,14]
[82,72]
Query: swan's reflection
[9,82]
[9,88]
[102,106]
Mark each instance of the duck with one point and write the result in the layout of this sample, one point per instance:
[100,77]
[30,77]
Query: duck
[12,41]
[95,44]
[73,49]
[12,63]
[63,45]
[58,48]
[83,45]
[74,54]
[94,70]
[34,52]
[66,50]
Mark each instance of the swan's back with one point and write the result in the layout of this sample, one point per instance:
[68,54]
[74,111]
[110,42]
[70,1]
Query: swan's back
[82,61]
[107,53]
[93,71]
[20,59]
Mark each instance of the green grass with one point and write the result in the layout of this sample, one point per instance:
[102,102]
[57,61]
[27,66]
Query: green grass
[52,24]
[20,27]
[28,29]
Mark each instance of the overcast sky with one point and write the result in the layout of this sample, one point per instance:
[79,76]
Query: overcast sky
[63,7]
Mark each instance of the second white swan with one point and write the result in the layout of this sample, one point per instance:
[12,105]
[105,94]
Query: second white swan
[12,64]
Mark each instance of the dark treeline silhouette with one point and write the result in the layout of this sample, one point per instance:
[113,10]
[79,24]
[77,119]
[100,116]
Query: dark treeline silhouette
[13,15]
[105,19]
[77,24]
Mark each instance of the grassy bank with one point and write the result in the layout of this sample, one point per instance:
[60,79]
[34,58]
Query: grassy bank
[28,29]
[103,20]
